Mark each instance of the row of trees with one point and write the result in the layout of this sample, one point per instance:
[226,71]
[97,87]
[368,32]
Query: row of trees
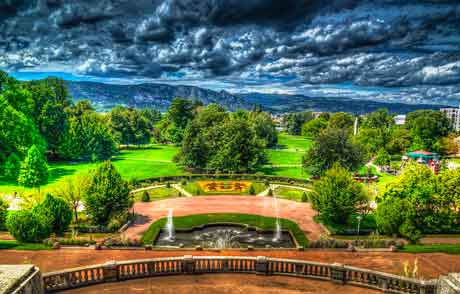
[231,142]
[378,138]
[104,194]
[41,114]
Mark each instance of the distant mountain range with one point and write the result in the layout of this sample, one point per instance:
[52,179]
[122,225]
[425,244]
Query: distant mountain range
[159,96]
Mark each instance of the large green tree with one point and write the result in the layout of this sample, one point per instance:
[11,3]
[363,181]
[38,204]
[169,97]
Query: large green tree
[88,137]
[426,203]
[34,169]
[337,195]
[57,211]
[331,146]
[12,167]
[50,99]
[264,127]
[217,141]
[107,195]
[427,127]
[293,122]
[179,114]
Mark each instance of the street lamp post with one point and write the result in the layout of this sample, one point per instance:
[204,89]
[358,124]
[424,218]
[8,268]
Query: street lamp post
[359,218]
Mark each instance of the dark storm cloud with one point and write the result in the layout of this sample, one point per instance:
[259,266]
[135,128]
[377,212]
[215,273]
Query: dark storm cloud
[385,43]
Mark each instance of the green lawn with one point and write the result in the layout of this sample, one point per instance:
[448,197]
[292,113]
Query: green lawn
[289,193]
[435,248]
[158,194]
[288,154]
[6,244]
[191,221]
[132,164]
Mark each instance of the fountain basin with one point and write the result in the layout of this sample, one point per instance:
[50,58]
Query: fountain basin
[225,235]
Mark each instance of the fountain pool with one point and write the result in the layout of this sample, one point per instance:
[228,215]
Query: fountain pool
[225,236]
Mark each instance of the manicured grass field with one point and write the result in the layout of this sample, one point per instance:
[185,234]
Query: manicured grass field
[158,194]
[286,159]
[191,221]
[157,161]
[14,245]
[435,248]
[132,164]
[289,193]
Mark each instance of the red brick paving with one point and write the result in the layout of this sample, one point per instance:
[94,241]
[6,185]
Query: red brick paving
[431,265]
[299,212]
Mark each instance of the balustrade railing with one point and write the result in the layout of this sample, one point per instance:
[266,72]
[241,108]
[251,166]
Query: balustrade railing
[126,270]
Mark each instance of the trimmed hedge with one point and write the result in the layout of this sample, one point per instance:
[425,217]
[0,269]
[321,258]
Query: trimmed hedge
[250,177]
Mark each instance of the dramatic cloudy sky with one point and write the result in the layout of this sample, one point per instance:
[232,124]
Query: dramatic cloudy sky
[403,50]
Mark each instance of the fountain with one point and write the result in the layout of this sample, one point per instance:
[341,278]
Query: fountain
[277,233]
[170,226]
[225,236]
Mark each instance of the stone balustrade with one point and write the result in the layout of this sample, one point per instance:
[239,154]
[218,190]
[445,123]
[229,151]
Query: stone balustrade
[135,269]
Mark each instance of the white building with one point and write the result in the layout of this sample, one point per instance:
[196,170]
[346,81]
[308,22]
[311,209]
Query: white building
[453,114]
[400,119]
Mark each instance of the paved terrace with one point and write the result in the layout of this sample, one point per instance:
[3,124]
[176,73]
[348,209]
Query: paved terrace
[299,212]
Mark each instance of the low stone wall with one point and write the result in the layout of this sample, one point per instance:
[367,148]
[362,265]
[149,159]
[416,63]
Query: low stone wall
[20,279]
[126,270]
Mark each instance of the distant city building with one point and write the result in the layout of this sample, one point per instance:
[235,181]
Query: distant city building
[400,119]
[453,114]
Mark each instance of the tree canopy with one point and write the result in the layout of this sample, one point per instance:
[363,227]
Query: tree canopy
[331,146]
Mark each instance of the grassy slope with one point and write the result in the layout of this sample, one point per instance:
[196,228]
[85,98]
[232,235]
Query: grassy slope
[132,164]
[289,193]
[291,150]
[188,222]
[157,162]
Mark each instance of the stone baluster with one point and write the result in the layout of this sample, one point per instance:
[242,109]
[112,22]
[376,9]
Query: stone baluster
[262,265]
[338,273]
[188,264]
[110,271]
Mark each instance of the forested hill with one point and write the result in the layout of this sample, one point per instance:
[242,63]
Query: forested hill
[295,103]
[159,96]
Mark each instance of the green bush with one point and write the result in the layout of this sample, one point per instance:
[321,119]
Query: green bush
[183,182]
[252,191]
[28,226]
[270,193]
[3,213]
[57,211]
[145,197]
[304,197]
[168,185]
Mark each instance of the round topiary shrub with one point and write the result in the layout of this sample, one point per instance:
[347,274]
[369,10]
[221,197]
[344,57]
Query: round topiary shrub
[168,185]
[145,197]
[28,226]
[270,193]
[252,191]
[304,197]
[57,211]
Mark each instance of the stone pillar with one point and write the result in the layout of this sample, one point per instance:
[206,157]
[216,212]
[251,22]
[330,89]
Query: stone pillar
[383,284]
[189,264]
[110,271]
[449,284]
[338,273]
[261,265]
